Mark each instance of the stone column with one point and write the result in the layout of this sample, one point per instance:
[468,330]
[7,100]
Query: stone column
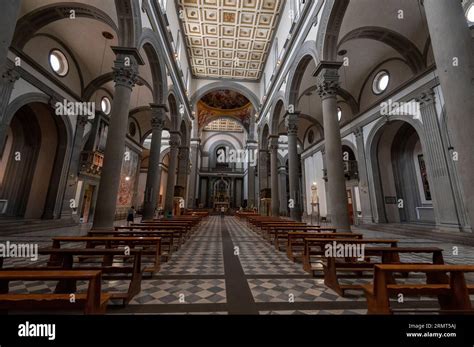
[70,205]
[452,48]
[251,148]
[282,190]
[274,174]
[364,195]
[183,166]
[194,179]
[8,18]
[125,76]
[8,78]
[175,141]
[293,166]
[436,155]
[153,178]
[263,168]
[328,84]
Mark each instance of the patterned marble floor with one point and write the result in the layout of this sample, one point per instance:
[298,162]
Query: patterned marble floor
[226,268]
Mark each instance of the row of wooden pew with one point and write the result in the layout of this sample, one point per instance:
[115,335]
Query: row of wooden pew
[126,253]
[380,258]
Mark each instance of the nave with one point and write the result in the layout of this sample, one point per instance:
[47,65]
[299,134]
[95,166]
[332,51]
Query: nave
[227,267]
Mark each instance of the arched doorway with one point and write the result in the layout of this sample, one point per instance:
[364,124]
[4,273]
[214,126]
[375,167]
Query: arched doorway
[401,181]
[32,163]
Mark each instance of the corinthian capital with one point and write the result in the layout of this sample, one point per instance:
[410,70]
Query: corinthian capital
[10,75]
[175,140]
[126,66]
[158,116]
[327,79]
[273,142]
[426,98]
[291,123]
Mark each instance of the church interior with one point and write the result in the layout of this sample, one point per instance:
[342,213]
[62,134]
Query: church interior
[236,157]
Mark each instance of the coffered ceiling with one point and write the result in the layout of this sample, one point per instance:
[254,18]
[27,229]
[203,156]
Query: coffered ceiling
[229,39]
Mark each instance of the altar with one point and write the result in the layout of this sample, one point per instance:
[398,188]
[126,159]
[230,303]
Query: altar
[221,196]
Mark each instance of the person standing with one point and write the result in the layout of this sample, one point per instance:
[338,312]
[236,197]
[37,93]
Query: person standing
[131,215]
[222,211]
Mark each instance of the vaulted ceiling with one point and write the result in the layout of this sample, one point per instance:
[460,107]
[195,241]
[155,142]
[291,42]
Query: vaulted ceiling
[229,39]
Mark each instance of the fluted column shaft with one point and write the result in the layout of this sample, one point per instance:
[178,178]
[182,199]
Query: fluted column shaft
[366,207]
[438,175]
[8,78]
[153,178]
[328,84]
[70,205]
[453,52]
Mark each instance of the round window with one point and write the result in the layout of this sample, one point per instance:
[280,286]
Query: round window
[105,105]
[470,13]
[58,62]
[381,82]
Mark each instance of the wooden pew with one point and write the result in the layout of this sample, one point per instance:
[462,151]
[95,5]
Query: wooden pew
[295,241]
[179,232]
[387,255]
[170,239]
[65,259]
[447,282]
[91,302]
[276,233]
[151,246]
[315,247]
[184,228]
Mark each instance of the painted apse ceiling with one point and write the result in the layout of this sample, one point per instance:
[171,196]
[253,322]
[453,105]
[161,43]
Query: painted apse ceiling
[224,104]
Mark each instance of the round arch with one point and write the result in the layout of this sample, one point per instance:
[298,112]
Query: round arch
[374,176]
[234,86]
[307,54]
[150,45]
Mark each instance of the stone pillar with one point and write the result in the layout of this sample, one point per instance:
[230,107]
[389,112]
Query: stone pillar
[274,174]
[328,84]
[8,18]
[175,141]
[251,148]
[153,178]
[194,179]
[364,195]
[452,48]
[183,166]
[293,166]
[282,190]
[263,168]
[125,76]
[8,78]
[70,205]
[442,194]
